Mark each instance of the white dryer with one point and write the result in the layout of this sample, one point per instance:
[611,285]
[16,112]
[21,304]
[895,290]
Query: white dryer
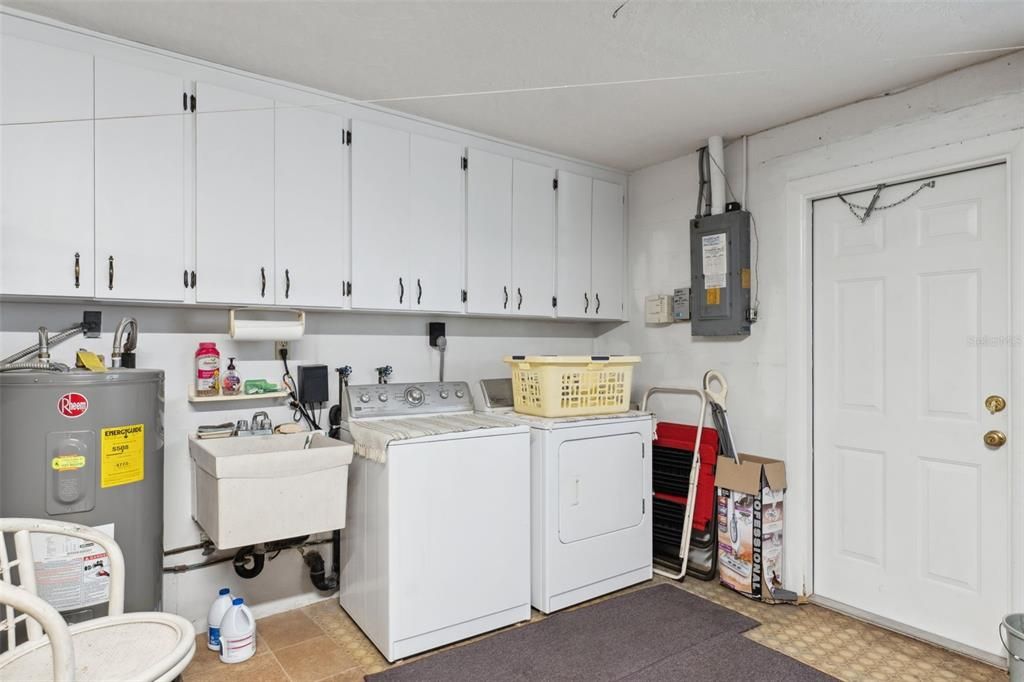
[437,544]
[590,480]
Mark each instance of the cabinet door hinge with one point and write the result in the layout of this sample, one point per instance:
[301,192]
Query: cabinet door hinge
[554,301]
[554,184]
[465,295]
[643,506]
[192,102]
[348,138]
[465,163]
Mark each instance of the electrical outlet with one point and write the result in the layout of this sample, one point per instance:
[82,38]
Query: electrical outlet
[278,347]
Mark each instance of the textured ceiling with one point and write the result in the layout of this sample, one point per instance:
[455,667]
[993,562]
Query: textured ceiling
[550,74]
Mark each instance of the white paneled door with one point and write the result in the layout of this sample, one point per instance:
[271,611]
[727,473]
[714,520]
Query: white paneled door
[911,335]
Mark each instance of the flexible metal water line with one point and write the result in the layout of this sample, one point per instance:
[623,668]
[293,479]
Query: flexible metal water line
[46,366]
[46,341]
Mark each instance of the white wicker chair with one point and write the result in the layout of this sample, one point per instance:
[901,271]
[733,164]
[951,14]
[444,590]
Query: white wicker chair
[119,646]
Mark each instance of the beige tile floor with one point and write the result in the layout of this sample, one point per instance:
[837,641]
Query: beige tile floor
[320,642]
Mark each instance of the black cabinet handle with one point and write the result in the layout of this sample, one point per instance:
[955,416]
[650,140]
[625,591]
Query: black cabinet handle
[401,290]
[263,282]
[78,270]
[287,283]
[110,273]
[586,302]
[419,291]
[520,292]
[505,304]
[597,298]
[184,278]
[193,279]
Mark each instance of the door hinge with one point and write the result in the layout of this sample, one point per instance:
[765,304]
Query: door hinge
[554,184]
[465,163]
[643,506]
[348,289]
[192,102]
[554,301]
[348,138]
[465,296]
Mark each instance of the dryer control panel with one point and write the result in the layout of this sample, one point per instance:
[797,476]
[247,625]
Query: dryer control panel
[408,400]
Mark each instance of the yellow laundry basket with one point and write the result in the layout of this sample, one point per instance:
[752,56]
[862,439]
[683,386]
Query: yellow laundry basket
[571,385]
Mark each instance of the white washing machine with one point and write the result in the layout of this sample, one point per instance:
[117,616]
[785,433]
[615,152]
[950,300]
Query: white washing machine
[590,480]
[437,543]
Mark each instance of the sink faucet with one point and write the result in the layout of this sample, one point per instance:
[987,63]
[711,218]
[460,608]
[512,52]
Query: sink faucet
[126,336]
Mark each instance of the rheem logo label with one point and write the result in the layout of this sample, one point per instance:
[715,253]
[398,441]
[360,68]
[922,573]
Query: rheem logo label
[72,405]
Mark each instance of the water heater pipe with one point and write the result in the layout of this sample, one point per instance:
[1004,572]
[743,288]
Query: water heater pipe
[717,153]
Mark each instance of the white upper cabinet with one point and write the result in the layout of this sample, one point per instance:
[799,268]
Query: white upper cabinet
[213,98]
[46,227]
[488,233]
[41,82]
[140,184]
[574,230]
[607,250]
[128,90]
[380,218]
[234,203]
[436,245]
[311,208]
[533,239]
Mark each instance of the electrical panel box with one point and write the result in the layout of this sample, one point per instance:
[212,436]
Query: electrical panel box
[681,305]
[720,279]
[658,309]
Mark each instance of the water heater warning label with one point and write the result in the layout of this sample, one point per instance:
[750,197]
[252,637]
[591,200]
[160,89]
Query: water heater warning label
[71,573]
[122,455]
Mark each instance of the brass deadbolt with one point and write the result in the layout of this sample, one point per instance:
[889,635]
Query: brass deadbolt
[995,439]
[995,403]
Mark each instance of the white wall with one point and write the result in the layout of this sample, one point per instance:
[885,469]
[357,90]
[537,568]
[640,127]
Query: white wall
[168,339]
[973,103]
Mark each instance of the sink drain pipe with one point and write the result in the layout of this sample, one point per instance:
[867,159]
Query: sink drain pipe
[318,571]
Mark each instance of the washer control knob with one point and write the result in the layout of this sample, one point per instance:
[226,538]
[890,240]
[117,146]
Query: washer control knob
[460,394]
[364,398]
[383,397]
[444,394]
[414,396]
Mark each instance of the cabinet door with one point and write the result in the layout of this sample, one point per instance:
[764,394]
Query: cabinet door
[488,233]
[607,249]
[574,217]
[380,218]
[140,208]
[127,90]
[533,239]
[43,83]
[46,231]
[235,206]
[437,211]
[311,208]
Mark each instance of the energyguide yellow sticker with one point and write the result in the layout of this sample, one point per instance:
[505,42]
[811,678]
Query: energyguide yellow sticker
[122,455]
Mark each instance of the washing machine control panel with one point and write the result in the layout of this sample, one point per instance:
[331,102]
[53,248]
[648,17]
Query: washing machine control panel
[409,400]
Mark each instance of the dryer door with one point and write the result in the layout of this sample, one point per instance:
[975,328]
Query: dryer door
[600,485]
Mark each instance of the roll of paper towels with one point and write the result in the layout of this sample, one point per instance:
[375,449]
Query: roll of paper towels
[268,330]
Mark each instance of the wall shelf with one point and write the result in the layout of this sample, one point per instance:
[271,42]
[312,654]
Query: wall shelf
[193,398]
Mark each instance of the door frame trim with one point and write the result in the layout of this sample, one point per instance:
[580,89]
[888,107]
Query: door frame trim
[1007,147]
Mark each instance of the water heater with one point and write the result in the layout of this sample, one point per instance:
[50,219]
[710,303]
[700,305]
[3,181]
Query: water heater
[87,448]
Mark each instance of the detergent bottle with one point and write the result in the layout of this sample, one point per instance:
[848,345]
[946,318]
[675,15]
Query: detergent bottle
[219,607]
[237,633]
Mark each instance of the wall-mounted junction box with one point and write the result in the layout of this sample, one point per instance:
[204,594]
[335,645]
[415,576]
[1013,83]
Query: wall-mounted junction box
[658,309]
[720,267]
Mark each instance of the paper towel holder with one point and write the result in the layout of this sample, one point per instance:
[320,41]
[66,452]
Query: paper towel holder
[290,328]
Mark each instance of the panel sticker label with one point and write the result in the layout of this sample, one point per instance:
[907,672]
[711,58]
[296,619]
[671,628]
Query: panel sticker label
[745,278]
[67,462]
[122,455]
[713,296]
[716,268]
[71,573]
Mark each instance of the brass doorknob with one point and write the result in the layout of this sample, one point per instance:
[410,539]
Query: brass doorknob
[995,403]
[995,439]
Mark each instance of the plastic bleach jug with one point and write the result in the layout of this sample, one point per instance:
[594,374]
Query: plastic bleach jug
[219,607]
[237,633]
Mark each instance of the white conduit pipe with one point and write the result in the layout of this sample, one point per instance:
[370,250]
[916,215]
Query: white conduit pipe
[717,164]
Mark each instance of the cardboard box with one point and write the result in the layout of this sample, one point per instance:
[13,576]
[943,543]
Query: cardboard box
[750,520]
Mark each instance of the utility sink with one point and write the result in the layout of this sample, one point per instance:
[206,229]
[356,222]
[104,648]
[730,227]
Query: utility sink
[261,488]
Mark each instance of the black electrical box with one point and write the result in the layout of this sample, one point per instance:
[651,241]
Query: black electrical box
[313,384]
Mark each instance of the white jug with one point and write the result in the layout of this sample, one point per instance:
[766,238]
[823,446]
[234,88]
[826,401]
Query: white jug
[219,607]
[237,633]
